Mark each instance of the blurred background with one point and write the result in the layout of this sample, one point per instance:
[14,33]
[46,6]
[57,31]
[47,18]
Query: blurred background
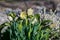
[49,4]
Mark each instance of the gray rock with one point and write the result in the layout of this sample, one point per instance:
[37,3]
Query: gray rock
[8,10]
[58,7]
[58,13]
[3,18]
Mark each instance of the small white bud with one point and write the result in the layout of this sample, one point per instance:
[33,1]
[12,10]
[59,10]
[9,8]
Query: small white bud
[10,18]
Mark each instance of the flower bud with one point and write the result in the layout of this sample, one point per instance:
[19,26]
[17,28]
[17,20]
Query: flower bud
[10,18]
[30,11]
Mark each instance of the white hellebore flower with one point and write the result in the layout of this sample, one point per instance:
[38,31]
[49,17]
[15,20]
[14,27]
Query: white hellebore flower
[10,18]
[34,21]
[30,11]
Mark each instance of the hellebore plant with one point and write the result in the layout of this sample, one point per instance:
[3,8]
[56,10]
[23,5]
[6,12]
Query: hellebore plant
[28,27]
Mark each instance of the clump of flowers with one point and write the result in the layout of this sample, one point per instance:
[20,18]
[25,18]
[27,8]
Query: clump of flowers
[29,26]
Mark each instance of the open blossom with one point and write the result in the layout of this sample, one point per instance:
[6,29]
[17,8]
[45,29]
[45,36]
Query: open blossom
[23,15]
[10,18]
[30,11]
